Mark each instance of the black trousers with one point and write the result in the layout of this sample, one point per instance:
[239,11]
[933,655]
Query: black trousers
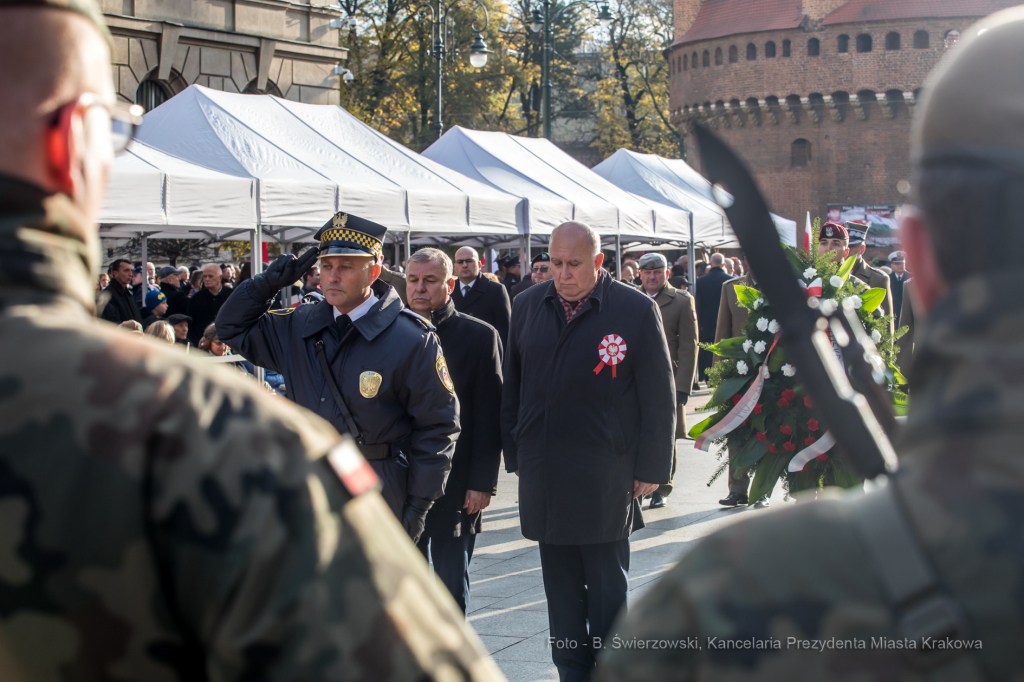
[450,557]
[586,588]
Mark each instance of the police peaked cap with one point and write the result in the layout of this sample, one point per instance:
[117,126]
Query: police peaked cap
[349,235]
[833,231]
[858,231]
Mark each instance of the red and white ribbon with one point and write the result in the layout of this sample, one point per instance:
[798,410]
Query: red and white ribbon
[740,410]
[818,447]
[612,351]
[812,289]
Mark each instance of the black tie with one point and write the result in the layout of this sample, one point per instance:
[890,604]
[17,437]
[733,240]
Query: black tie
[343,322]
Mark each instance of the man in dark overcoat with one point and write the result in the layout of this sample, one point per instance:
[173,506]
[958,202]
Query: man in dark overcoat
[478,296]
[708,298]
[383,361]
[473,352]
[588,421]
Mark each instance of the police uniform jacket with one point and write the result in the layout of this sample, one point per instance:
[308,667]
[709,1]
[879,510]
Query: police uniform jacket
[708,297]
[577,434]
[487,301]
[473,353]
[875,278]
[414,408]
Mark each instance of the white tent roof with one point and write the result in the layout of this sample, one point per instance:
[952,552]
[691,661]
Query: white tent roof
[154,192]
[310,161]
[674,182]
[556,187]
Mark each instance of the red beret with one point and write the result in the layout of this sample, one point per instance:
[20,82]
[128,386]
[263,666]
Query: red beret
[834,231]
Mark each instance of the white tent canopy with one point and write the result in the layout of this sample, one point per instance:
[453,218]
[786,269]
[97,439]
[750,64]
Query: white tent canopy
[674,182]
[153,192]
[310,161]
[555,187]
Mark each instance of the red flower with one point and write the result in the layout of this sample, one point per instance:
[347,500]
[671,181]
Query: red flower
[744,422]
[788,447]
[736,398]
[757,408]
[788,395]
[809,440]
[772,448]
[807,401]
[783,403]
[786,430]
[822,457]
[812,424]
[761,437]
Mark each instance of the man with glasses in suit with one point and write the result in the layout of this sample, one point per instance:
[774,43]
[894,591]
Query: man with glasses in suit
[479,297]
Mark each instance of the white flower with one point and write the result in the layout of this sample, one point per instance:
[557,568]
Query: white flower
[741,367]
[766,375]
[809,274]
[773,327]
[854,301]
[836,281]
[875,336]
[828,306]
[758,303]
[788,370]
[762,324]
[746,346]
[759,347]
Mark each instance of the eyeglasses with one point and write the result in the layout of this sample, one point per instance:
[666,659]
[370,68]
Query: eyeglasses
[465,261]
[541,269]
[124,118]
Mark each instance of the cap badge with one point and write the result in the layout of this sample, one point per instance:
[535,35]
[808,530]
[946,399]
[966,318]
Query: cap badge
[340,220]
[612,351]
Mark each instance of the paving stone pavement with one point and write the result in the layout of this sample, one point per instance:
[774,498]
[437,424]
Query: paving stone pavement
[507,605]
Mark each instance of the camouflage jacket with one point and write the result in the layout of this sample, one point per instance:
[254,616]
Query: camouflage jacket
[794,592]
[162,520]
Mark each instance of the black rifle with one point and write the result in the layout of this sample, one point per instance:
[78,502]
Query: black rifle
[858,419]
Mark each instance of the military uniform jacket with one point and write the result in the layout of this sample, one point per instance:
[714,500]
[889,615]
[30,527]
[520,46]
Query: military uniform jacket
[680,321]
[875,278]
[162,519]
[414,404]
[577,432]
[485,301]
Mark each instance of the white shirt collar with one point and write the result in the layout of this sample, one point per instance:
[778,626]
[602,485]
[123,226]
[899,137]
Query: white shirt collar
[360,309]
[470,285]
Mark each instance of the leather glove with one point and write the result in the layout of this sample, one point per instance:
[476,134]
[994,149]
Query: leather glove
[681,397]
[286,270]
[414,516]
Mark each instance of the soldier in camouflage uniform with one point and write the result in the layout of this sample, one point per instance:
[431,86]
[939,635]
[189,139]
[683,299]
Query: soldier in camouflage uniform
[160,519]
[812,572]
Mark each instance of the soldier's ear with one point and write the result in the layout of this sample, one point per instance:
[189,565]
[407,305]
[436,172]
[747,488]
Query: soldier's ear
[61,148]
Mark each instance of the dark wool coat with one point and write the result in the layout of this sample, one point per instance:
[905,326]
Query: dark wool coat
[120,306]
[203,309]
[709,298]
[487,301]
[577,433]
[412,407]
[177,300]
[473,353]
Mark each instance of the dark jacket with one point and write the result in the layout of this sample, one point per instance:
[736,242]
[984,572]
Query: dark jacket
[896,286]
[177,300]
[510,282]
[121,306]
[473,353]
[203,309]
[412,407]
[522,286]
[487,301]
[708,298]
[577,433]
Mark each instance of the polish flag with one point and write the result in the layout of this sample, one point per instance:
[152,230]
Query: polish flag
[807,232]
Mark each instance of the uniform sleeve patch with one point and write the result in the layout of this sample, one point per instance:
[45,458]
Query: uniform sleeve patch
[442,373]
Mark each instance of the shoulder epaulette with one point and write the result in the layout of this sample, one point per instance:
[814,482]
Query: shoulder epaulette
[283,311]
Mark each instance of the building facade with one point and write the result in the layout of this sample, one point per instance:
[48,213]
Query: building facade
[816,95]
[280,47]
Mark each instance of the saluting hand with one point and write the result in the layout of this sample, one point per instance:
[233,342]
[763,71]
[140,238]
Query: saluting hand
[286,270]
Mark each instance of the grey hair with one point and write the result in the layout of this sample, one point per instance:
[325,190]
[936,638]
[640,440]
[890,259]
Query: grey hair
[717,260]
[578,227]
[432,255]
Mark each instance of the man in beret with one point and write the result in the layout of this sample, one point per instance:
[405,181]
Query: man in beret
[847,241]
[513,274]
[897,278]
[358,358]
[679,318]
[180,322]
[540,271]
[169,278]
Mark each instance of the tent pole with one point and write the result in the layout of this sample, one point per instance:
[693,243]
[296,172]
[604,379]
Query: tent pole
[408,242]
[690,257]
[255,268]
[618,256]
[144,240]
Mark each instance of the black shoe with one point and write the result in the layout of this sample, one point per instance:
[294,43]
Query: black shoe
[657,501]
[733,500]
[762,502]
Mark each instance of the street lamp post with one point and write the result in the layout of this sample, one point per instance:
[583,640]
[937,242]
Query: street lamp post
[540,20]
[477,51]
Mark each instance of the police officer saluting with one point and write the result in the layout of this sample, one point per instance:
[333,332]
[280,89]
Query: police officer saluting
[359,359]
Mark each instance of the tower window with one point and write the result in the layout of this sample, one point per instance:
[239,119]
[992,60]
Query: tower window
[718,56]
[734,54]
[686,63]
[751,52]
[892,41]
[693,60]
[920,40]
[813,47]
[786,45]
[769,49]
[843,44]
[705,59]
[864,43]
[800,153]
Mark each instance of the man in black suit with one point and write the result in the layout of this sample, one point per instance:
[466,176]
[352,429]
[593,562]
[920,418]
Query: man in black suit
[478,296]
[897,278]
[709,298]
[473,353]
